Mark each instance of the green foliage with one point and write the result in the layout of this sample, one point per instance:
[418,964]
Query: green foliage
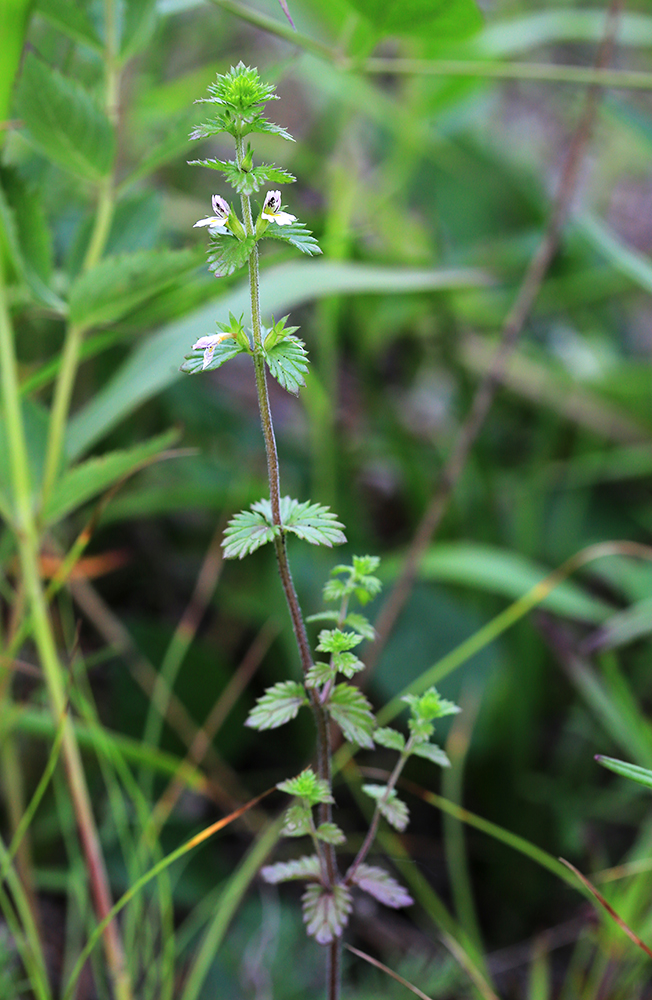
[320,673]
[336,641]
[247,181]
[437,18]
[308,787]
[380,884]
[391,807]
[72,20]
[642,775]
[240,96]
[359,581]
[64,122]
[330,833]
[227,254]
[277,706]
[298,820]
[326,911]
[349,708]
[288,871]
[390,738]
[287,363]
[431,752]
[296,234]
[119,284]
[27,238]
[248,530]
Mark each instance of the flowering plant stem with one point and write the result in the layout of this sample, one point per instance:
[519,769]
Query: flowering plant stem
[324,751]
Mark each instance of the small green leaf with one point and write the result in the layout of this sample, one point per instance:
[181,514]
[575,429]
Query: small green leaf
[297,821]
[336,641]
[64,122]
[246,532]
[324,616]
[380,884]
[320,673]
[361,625]
[312,522]
[430,705]
[307,786]
[277,706]
[85,481]
[642,775]
[247,181]
[352,712]
[296,234]
[390,738]
[226,254]
[392,808]
[326,911]
[347,664]
[432,752]
[222,352]
[330,833]
[365,565]
[116,285]
[285,871]
[288,363]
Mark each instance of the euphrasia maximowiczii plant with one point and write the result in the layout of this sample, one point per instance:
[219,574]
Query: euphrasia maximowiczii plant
[237,100]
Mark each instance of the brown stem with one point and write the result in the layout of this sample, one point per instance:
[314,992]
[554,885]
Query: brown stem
[511,331]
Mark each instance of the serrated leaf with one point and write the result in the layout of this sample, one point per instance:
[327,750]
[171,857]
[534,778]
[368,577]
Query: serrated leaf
[309,521]
[307,786]
[223,122]
[335,590]
[430,705]
[390,738]
[297,820]
[330,833]
[222,352]
[64,122]
[320,673]
[226,254]
[247,181]
[361,625]
[392,808]
[307,867]
[277,706]
[336,641]
[347,664]
[71,19]
[380,884]
[116,285]
[246,532]
[92,477]
[326,911]
[287,363]
[352,712]
[296,234]
[430,751]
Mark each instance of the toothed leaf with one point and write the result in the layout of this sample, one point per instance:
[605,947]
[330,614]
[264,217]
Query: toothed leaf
[247,181]
[320,673]
[393,809]
[380,884]
[286,871]
[330,833]
[297,820]
[326,911]
[431,752]
[336,641]
[390,738]
[277,706]
[307,786]
[227,253]
[247,531]
[296,234]
[288,363]
[352,712]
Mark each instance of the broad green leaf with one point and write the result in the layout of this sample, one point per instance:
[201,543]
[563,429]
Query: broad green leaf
[287,363]
[64,122]
[296,234]
[117,285]
[154,363]
[14,20]
[436,18]
[285,871]
[330,833]
[247,181]
[392,808]
[71,19]
[247,531]
[85,481]
[352,712]
[227,254]
[277,706]
[311,521]
[390,738]
[307,786]
[642,775]
[28,239]
[326,912]
[297,820]
[500,571]
[430,751]
[380,884]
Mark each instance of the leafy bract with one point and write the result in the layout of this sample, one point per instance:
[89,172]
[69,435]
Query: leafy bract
[297,821]
[296,234]
[277,706]
[320,673]
[118,284]
[247,181]
[287,363]
[64,122]
[390,738]
[326,911]
[391,807]
[248,530]
[430,751]
[226,254]
[330,833]
[380,884]
[87,480]
[307,786]
[307,867]
[352,712]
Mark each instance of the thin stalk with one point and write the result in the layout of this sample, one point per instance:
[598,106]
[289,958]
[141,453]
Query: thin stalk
[28,541]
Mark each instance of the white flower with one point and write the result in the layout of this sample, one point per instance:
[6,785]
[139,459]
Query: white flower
[272,210]
[217,222]
[208,344]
